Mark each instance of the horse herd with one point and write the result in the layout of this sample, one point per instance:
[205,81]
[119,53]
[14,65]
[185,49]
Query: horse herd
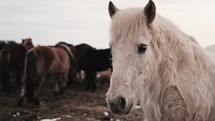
[31,65]
[154,64]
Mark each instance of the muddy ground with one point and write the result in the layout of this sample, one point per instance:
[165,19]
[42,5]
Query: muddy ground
[77,104]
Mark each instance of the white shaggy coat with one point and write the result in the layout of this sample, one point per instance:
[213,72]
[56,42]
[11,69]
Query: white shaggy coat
[174,79]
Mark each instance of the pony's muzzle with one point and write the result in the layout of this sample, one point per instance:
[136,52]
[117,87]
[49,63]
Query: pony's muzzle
[119,106]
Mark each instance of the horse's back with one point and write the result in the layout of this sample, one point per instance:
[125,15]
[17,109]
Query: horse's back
[61,60]
[211,52]
[12,47]
[2,44]
[82,49]
[96,60]
[16,52]
[44,57]
[43,52]
[51,59]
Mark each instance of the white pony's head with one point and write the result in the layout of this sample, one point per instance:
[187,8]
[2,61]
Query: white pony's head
[130,39]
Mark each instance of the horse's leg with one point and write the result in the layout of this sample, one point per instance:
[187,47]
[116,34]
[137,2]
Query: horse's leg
[87,80]
[90,77]
[64,82]
[18,73]
[39,80]
[23,79]
[5,70]
[93,81]
[5,81]
[61,83]
[56,79]
[71,75]
[22,94]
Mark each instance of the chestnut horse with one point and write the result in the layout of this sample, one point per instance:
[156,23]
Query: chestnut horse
[27,43]
[158,65]
[12,60]
[40,62]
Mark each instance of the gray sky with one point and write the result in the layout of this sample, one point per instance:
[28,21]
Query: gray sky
[87,21]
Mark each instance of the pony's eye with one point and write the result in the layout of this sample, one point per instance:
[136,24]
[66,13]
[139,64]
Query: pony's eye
[142,48]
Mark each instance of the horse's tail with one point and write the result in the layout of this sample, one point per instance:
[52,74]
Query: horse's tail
[5,70]
[30,72]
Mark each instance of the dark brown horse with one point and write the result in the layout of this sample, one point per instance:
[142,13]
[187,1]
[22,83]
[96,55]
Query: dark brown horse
[94,61]
[40,62]
[91,61]
[3,43]
[12,61]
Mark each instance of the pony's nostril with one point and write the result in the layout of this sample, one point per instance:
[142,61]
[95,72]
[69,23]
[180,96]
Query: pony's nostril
[117,105]
[121,104]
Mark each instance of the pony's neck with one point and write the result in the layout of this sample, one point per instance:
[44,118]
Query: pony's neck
[168,37]
[176,53]
[170,47]
[170,44]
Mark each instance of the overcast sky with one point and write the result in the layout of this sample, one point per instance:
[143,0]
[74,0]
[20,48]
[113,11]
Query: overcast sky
[87,21]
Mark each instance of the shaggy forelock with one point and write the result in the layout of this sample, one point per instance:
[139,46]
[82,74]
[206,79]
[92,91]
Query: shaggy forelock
[127,24]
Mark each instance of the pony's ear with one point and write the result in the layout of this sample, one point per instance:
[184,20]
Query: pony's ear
[112,9]
[150,11]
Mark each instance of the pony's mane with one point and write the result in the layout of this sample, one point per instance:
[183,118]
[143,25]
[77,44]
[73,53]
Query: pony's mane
[128,24]
[168,42]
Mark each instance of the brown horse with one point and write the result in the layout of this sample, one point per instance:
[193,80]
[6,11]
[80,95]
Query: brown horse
[27,43]
[40,62]
[12,60]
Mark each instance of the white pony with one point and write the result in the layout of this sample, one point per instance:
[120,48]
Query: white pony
[154,62]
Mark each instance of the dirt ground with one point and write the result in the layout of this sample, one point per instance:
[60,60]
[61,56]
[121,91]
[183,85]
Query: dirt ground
[76,104]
